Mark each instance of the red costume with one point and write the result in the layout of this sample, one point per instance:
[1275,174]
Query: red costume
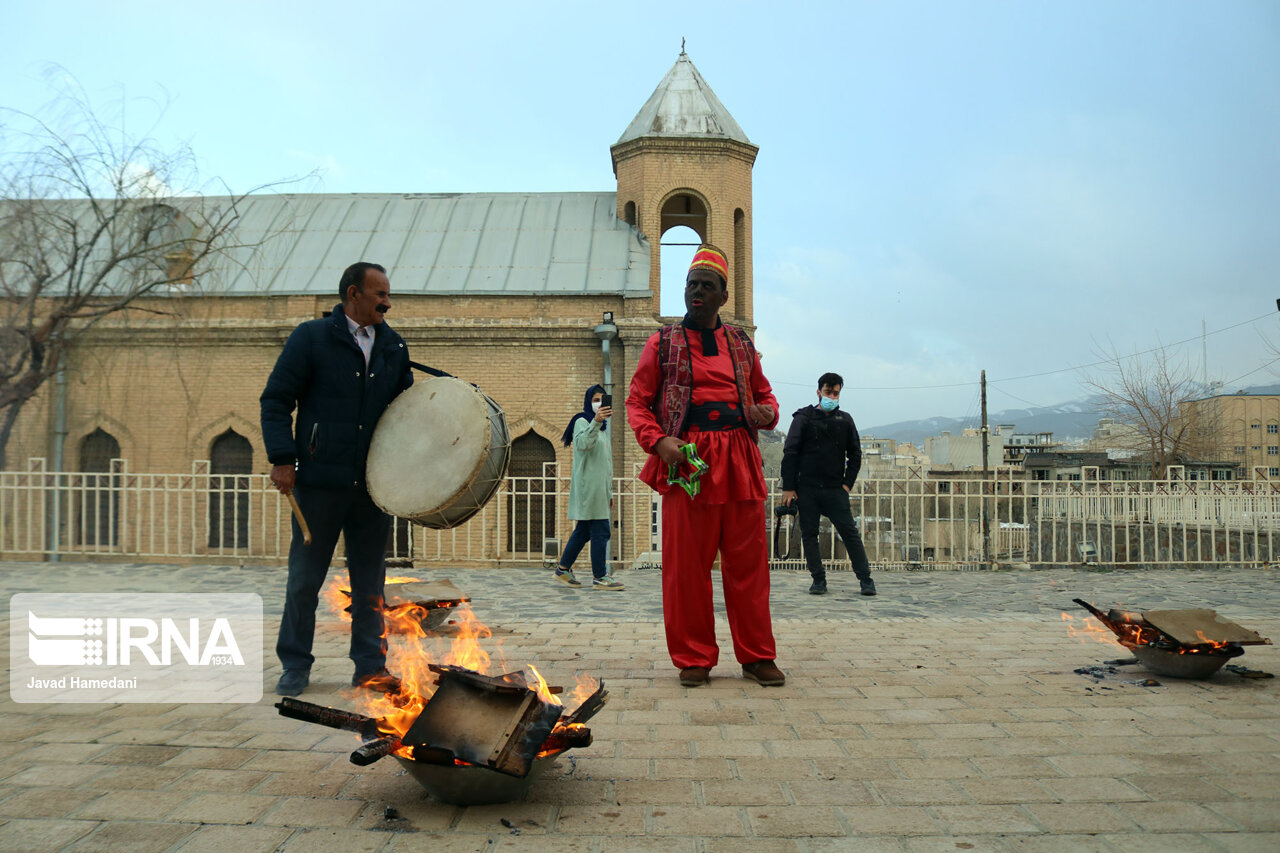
[684,389]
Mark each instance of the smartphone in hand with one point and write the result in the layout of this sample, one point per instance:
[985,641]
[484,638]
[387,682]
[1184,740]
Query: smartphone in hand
[606,400]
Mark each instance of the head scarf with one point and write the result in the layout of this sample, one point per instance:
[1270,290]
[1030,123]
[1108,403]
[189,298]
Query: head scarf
[711,258]
[586,414]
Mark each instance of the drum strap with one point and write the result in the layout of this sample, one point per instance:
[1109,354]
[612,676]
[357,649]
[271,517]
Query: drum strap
[433,371]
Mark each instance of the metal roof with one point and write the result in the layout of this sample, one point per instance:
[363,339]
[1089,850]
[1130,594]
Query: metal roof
[683,105]
[439,243]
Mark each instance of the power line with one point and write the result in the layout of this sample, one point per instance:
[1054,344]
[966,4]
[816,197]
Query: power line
[1251,372]
[1136,354]
[1019,399]
[1048,372]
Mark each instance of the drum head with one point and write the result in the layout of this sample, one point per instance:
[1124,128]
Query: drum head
[429,446]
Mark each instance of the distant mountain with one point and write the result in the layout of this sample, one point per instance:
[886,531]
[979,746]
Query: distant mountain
[1075,419]
[1067,420]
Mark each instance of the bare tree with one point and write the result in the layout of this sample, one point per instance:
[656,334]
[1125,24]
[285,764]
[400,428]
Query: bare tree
[92,221]
[1144,392]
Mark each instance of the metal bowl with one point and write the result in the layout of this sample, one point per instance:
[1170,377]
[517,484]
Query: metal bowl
[471,784]
[1176,665]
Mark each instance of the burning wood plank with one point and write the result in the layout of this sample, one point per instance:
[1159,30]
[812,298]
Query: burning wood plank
[589,707]
[334,718]
[1191,629]
[1198,627]
[499,722]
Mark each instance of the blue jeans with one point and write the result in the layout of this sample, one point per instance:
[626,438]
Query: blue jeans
[365,528]
[597,530]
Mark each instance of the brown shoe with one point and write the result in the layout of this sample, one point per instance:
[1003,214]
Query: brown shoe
[765,672]
[694,676]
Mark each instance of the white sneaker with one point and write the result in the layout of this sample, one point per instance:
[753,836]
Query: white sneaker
[606,582]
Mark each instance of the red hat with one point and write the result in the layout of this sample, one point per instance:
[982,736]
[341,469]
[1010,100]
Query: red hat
[711,258]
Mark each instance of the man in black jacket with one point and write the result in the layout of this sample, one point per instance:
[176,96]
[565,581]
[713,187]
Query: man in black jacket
[820,463]
[341,372]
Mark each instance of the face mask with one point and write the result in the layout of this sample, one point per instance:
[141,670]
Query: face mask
[595,405]
[828,405]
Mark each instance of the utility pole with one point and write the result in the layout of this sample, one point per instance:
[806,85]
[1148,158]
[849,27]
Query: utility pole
[986,472]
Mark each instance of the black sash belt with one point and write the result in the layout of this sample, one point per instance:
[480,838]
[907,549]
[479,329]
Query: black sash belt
[714,417]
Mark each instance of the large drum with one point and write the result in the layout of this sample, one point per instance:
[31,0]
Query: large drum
[439,452]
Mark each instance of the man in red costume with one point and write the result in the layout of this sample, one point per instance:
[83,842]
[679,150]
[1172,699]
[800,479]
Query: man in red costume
[700,381]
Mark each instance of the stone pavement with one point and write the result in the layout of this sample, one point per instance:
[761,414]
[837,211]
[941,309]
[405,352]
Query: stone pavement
[945,714]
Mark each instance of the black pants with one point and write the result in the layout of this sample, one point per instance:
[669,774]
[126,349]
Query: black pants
[330,512]
[834,504]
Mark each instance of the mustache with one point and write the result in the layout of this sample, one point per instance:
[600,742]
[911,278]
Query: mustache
[382,309]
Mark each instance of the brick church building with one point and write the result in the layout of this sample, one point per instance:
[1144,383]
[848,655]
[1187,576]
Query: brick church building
[511,291]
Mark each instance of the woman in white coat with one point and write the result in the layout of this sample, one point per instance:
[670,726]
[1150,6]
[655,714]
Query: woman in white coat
[590,491]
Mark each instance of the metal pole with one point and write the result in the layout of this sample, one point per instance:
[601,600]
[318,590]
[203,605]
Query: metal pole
[59,442]
[606,332]
[608,370]
[986,472]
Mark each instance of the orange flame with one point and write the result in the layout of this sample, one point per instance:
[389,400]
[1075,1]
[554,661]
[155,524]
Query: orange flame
[544,693]
[465,651]
[1090,630]
[336,593]
[335,598]
[410,652]
[1130,634]
[585,686]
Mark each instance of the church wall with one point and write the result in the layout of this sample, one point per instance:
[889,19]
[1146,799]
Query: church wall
[166,387]
[650,170]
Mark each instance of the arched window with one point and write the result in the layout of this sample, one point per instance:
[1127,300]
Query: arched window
[678,247]
[230,455]
[629,214]
[531,501]
[683,227]
[98,495]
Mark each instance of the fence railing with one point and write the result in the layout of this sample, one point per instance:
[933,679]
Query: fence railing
[911,522]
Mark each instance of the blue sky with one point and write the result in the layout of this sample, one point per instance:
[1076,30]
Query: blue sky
[941,187]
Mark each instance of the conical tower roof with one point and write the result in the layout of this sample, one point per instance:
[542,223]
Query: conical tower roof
[683,105]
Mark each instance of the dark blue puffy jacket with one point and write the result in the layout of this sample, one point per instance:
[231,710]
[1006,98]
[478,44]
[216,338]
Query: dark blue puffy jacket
[322,372]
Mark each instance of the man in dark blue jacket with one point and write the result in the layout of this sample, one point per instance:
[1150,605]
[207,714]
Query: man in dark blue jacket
[820,464]
[341,372]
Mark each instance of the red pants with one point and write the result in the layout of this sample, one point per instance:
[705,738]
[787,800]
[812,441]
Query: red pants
[692,533]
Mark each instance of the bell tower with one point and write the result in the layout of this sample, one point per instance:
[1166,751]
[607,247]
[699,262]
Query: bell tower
[683,160]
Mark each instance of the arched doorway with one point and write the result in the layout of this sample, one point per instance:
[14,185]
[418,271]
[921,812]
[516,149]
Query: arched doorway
[531,495]
[230,459]
[98,493]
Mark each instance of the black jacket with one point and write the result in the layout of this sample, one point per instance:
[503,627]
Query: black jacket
[322,372]
[822,450]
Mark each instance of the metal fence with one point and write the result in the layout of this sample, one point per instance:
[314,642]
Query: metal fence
[907,523]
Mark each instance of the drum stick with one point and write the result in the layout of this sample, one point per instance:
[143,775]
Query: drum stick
[302,522]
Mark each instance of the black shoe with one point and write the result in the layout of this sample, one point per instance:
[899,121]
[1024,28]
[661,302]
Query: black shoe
[293,682]
[818,587]
[379,680]
[868,586]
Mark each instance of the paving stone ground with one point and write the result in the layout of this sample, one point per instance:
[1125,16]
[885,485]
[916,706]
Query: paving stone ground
[944,714]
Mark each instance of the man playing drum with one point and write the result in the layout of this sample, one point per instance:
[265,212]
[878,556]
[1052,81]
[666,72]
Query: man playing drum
[341,372]
[700,382]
